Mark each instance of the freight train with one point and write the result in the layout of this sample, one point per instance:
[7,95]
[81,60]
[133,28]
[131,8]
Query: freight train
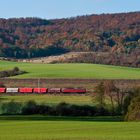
[28,90]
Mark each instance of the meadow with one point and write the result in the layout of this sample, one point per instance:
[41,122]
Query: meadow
[49,99]
[72,71]
[66,129]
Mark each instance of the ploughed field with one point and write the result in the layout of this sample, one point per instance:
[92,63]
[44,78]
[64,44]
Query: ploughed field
[72,70]
[51,128]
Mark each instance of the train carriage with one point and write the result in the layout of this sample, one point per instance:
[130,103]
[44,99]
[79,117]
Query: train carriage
[26,90]
[54,90]
[40,90]
[73,90]
[11,90]
[2,90]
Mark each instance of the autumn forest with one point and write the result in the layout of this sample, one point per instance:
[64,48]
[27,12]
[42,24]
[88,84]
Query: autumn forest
[118,35]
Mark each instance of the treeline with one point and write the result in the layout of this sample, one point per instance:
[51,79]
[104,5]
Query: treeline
[114,33]
[124,102]
[104,58]
[8,73]
[16,52]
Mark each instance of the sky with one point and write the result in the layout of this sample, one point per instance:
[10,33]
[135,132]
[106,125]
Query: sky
[52,9]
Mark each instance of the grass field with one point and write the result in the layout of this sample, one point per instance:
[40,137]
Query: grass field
[64,128]
[72,71]
[67,129]
[50,99]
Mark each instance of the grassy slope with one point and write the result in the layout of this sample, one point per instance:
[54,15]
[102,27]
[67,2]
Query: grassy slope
[50,99]
[72,129]
[73,71]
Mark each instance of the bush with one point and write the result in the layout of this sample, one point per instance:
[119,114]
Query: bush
[133,113]
[16,69]
[30,108]
[101,111]
[133,93]
[62,109]
[13,72]
[84,110]
[11,108]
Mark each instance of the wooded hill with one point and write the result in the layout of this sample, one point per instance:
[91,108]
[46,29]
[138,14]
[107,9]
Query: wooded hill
[117,34]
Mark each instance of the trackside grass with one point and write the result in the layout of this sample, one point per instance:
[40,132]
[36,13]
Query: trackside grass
[72,71]
[71,129]
[49,99]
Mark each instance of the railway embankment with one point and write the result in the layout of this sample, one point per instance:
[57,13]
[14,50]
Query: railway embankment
[89,84]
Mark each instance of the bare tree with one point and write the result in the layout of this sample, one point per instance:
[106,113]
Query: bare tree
[110,90]
[100,97]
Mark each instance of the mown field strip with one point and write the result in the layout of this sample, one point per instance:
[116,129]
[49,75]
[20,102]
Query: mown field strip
[68,130]
[72,71]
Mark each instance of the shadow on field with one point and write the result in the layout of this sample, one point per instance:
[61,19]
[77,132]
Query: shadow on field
[52,118]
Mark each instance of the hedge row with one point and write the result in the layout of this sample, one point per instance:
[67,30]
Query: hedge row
[62,109]
[8,73]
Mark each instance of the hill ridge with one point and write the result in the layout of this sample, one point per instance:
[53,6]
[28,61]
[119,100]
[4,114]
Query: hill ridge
[118,34]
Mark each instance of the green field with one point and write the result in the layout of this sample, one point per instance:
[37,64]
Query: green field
[49,99]
[66,129]
[72,71]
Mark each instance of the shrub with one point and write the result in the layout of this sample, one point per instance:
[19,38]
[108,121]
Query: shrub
[101,111]
[16,69]
[134,92]
[13,72]
[30,108]
[62,109]
[11,108]
[133,113]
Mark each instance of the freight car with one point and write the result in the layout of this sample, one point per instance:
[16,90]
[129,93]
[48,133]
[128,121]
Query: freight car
[54,90]
[40,90]
[29,90]
[25,90]
[2,90]
[73,90]
[11,90]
